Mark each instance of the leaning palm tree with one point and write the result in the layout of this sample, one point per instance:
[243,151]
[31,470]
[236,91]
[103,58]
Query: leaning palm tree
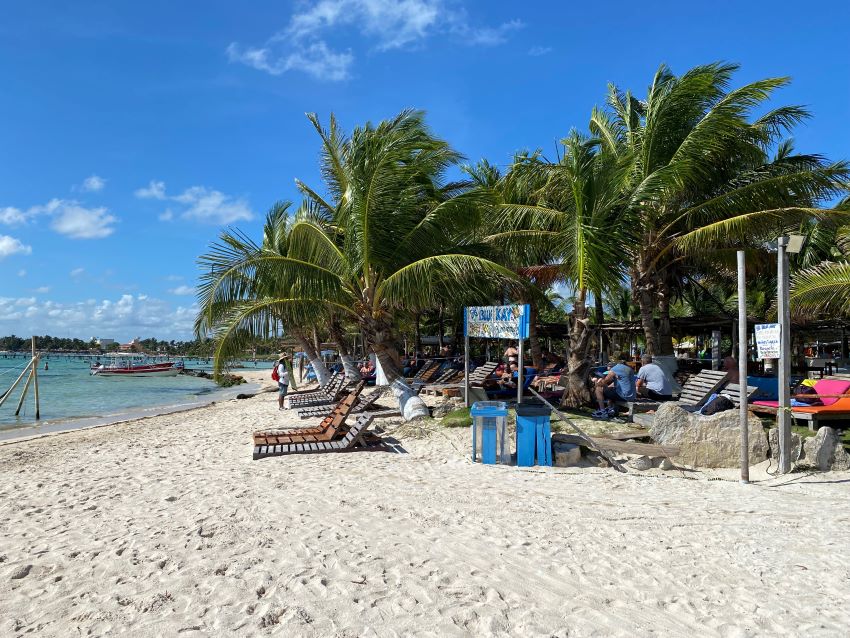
[240,301]
[388,235]
[702,177]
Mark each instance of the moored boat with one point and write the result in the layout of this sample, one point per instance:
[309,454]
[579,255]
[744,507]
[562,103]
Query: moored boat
[166,369]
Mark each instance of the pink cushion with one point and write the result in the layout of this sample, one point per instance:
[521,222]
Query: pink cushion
[831,386]
[767,404]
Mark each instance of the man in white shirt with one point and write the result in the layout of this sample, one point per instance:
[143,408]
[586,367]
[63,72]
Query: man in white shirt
[652,381]
[282,382]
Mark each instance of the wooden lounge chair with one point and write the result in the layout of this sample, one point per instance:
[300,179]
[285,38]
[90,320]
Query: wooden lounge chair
[427,370]
[364,402]
[732,391]
[325,397]
[350,438]
[833,393]
[699,387]
[335,418]
[332,379]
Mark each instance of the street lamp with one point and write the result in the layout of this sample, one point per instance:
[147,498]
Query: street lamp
[785,245]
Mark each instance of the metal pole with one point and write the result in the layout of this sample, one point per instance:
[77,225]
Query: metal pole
[466,367]
[520,370]
[742,367]
[783,412]
[35,379]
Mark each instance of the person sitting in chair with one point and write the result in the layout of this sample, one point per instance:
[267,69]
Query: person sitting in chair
[652,381]
[617,385]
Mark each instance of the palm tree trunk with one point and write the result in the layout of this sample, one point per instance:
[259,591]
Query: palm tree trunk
[440,327]
[600,319]
[576,392]
[352,373]
[380,338]
[665,336]
[417,336]
[322,374]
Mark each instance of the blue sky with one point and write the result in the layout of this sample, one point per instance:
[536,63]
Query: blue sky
[131,132]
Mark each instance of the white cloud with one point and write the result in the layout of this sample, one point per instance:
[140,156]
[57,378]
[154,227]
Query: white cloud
[78,222]
[122,318]
[93,184]
[173,278]
[316,59]
[538,51]
[386,24]
[42,290]
[199,203]
[182,290]
[12,216]
[77,272]
[68,217]
[11,246]
[154,190]
[22,273]
[212,206]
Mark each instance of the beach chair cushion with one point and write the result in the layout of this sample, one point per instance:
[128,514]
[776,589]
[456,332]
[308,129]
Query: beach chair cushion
[831,386]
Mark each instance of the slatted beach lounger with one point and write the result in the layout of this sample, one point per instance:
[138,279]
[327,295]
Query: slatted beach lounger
[353,437]
[427,369]
[699,387]
[333,420]
[332,379]
[732,391]
[319,398]
[364,402]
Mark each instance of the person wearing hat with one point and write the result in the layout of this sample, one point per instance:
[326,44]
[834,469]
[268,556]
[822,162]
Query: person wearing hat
[282,381]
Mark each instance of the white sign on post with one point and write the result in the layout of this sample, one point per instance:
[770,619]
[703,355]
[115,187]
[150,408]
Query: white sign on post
[768,340]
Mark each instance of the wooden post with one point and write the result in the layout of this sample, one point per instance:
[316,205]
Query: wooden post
[8,392]
[783,412]
[24,393]
[743,417]
[35,379]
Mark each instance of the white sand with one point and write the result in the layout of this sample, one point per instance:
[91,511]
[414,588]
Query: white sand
[166,526]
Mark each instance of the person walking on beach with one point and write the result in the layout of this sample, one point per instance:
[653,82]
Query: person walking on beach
[282,381]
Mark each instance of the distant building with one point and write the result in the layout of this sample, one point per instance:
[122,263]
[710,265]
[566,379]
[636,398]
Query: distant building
[134,346]
[104,342]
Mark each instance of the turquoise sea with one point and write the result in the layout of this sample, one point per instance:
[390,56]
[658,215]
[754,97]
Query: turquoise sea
[71,397]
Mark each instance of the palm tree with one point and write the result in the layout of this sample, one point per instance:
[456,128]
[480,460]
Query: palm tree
[572,215]
[240,301]
[390,235]
[702,177]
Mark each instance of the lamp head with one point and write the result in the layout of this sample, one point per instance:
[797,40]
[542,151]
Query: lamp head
[795,243]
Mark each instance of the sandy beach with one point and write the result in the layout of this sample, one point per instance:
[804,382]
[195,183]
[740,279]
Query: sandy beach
[165,526]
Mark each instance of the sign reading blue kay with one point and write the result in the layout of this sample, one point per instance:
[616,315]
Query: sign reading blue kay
[497,322]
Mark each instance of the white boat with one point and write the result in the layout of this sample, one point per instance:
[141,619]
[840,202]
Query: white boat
[167,369]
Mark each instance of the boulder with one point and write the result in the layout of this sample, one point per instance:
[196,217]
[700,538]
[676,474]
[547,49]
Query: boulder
[664,463]
[824,452]
[707,441]
[773,442]
[565,454]
[640,463]
[449,404]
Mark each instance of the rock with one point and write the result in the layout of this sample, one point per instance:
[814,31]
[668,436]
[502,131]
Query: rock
[640,463]
[442,409]
[707,441]
[665,464]
[21,572]
[824,452]
[773,442]
[565,454]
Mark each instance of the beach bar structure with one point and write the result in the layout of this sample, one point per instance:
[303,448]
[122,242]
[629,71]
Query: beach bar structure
[496,322]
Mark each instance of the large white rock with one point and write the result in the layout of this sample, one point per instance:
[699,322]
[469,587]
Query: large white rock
[824,452]
[707,441]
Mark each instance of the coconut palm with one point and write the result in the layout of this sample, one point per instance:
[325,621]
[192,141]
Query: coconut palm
[702,177]
[390,234]
[571,214]
[241,302]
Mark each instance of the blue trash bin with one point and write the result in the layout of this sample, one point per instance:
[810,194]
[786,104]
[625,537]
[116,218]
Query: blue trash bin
[489,431]
[534,435]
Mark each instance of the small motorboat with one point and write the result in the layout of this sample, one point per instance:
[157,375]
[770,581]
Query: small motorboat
[166,369]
